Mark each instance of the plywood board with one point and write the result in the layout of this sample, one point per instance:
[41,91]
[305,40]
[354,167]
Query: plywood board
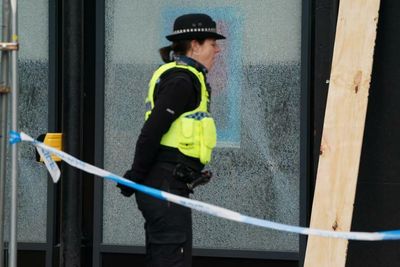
[343,130]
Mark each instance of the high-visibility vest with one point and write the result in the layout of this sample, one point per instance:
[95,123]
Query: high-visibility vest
[193,133]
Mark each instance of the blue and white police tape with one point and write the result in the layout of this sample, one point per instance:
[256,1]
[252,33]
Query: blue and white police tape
[46,151]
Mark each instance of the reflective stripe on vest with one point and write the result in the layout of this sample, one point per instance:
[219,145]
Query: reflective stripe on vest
[193,132]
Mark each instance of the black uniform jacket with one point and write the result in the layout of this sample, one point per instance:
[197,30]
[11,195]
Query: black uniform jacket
[177,92]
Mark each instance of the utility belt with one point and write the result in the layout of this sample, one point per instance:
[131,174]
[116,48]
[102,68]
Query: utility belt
[184,169]
[172,155]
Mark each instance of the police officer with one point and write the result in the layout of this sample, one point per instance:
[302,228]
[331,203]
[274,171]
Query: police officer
[177,138]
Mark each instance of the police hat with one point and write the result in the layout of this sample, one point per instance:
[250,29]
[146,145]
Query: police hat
[194,26]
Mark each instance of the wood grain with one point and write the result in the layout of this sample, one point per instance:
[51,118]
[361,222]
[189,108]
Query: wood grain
[343,130]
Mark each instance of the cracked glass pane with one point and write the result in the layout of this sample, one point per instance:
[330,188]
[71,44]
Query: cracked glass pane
[255,101]
[33,119]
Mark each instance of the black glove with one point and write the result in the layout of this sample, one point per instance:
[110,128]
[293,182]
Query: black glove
[126,191]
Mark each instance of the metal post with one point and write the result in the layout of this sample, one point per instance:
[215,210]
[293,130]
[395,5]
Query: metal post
[14,127]
[72,97]
[3,119]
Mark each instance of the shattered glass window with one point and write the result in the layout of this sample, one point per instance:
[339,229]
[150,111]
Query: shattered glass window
[255,101]
[33,119]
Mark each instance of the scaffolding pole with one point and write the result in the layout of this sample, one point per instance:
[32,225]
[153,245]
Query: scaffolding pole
[14,149]
[4,91]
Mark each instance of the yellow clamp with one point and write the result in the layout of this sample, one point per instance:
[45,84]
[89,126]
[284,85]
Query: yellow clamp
[52,140]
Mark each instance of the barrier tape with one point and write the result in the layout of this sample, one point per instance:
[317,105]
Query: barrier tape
[217,211]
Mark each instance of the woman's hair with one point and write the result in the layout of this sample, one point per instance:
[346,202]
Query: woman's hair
[180,47]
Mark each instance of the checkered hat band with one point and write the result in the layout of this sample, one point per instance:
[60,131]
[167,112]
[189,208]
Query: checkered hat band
[195,30]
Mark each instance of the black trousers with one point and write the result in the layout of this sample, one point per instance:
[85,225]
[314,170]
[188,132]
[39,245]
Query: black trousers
[168,226]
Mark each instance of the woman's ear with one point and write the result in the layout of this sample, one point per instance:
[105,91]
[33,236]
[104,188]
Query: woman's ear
[194,45]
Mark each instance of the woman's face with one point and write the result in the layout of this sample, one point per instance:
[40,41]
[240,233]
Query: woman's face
[204,53]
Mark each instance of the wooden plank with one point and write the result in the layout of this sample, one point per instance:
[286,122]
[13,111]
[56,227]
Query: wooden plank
[343,130]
